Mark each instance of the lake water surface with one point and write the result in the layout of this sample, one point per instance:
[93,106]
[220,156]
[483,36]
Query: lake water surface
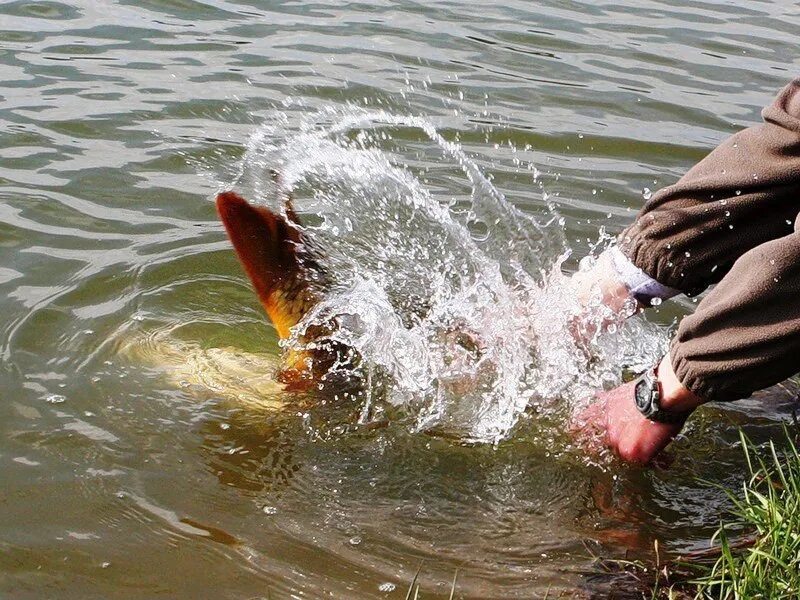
[137,458]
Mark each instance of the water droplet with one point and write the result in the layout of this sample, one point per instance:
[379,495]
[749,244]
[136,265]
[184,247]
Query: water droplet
[647,193]
[655,301]
[738,192]
[594,192]
[727,213]
[612,328]
[387,587]
[55,399]
[269,510]
[355,540]
[580,135]
[105,565]
[714,268]
[688,254]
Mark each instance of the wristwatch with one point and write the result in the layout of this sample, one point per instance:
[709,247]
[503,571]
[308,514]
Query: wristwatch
[647,395]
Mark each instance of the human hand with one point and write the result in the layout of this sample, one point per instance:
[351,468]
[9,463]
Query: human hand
[600,285]
[603,300]
[614,419]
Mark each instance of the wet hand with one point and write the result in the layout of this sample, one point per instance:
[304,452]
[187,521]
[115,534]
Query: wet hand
[632,436]
[603,300]
[614,419]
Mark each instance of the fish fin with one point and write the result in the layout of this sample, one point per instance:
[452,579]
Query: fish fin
[273,255]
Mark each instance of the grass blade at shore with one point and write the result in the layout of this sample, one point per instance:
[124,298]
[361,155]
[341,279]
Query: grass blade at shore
[769,567]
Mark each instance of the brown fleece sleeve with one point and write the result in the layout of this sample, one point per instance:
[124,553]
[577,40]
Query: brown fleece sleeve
[745,335]
[743,194]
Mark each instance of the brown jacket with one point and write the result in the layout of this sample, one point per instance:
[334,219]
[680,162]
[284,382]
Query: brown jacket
[733,220]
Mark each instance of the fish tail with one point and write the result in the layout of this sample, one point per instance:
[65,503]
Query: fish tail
[279,264]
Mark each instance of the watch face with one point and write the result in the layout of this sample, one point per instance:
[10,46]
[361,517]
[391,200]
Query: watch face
[642,395]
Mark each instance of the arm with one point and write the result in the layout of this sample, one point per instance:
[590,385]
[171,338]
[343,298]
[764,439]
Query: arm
[730,218]
[744,336]
[743,194]
[687,237]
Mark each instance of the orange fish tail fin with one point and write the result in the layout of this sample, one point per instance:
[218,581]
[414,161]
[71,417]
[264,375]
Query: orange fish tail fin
[270,250]
[278,263]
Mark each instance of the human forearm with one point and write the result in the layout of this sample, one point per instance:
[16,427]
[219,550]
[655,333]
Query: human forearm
[744,193]
[745,334]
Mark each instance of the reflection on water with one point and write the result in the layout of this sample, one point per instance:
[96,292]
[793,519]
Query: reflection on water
[141,452]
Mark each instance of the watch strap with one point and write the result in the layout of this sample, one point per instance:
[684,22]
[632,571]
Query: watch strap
[647,397]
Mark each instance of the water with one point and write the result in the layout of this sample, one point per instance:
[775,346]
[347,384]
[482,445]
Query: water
[455,304]
[142,451]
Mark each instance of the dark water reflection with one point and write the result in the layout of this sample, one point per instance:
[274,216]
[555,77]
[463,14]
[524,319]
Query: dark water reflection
[120,120]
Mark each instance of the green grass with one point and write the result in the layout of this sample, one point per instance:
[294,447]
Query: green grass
[767,563]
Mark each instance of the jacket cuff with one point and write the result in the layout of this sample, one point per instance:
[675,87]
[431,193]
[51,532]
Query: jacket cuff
[641,286]
[662,266]
[706,388]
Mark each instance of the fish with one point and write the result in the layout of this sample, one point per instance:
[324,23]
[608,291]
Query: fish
[286,271]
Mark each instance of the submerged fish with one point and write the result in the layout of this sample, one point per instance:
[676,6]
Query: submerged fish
[241,378]
[288,278]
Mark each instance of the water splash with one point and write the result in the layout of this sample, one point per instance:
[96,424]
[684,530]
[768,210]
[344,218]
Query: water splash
[449,293]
